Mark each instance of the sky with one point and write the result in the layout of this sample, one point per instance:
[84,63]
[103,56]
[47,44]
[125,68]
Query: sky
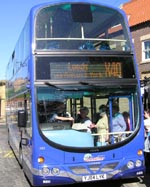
[13,14]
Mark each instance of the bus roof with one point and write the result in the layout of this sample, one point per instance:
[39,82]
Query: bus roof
[97,2]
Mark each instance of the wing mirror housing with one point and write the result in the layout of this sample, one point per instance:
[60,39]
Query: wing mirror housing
[22,118]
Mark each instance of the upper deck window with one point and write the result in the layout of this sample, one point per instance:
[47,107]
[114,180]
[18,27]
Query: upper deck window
[80,27]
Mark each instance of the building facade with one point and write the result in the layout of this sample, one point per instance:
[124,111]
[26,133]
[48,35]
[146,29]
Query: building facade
[138,13]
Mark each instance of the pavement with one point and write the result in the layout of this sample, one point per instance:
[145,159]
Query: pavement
[11,175]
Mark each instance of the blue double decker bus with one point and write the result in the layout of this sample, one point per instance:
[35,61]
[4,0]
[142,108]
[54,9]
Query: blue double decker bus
[76,54]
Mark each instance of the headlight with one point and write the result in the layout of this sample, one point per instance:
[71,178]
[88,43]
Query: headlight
[138,163]
[55,171]
[130,165]
[45,171]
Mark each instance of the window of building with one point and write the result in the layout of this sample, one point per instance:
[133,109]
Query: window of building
[20,104]
[146,50]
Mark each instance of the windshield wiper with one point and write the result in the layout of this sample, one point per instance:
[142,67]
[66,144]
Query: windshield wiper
[52,85]
[86,83]
[62,89]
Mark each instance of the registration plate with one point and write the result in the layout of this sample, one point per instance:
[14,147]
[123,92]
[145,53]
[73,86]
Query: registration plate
[94,177]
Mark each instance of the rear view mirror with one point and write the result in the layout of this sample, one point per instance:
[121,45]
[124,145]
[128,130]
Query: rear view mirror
[21,118]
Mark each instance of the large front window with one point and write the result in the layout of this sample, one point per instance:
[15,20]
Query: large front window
[73,116]
[80,27]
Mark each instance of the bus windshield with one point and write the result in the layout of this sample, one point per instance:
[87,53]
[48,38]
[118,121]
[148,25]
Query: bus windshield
[68,102]
[80,27]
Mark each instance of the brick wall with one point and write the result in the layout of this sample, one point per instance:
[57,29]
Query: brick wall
[139,32]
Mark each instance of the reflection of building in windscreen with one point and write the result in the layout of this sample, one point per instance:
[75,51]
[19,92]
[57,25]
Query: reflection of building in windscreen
[53,111]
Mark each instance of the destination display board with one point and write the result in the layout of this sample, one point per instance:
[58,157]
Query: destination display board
[85,70]
[75,68]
